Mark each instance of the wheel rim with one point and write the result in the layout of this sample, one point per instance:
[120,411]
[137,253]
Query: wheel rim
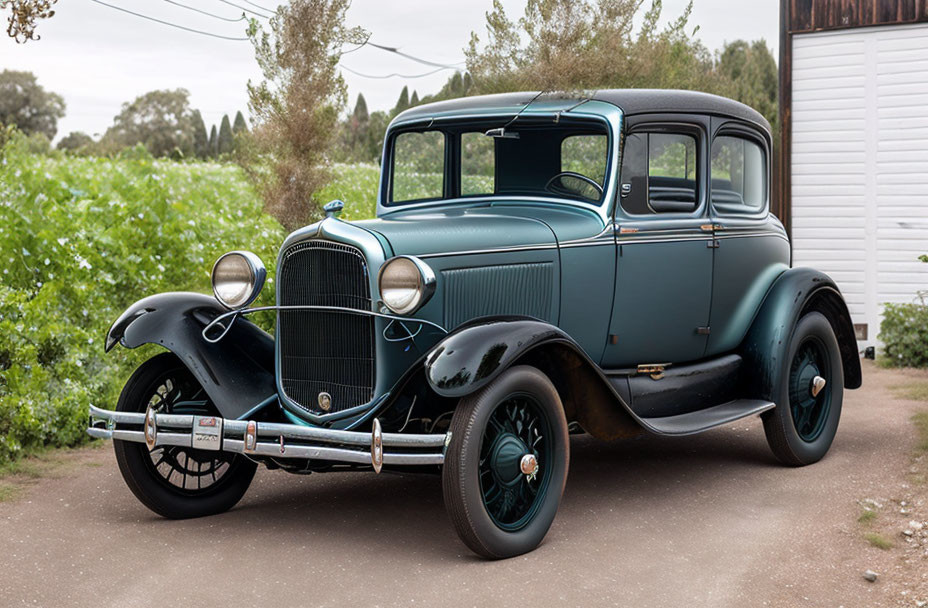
[809,400]
[181,469]
[516,432]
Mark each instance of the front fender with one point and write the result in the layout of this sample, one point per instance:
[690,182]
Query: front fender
[237,372]
[765,348]
[478,352]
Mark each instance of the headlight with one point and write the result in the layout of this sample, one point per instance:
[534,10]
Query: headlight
[238,277]
[406,283]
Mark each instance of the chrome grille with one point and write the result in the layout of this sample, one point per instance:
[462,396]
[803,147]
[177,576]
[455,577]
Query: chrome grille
[322,351]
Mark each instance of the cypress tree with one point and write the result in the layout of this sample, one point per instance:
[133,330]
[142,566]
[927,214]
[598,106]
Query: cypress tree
[360,113]
[414,100]
[226,142]
[239,125]
[200,137]
[213,143]
[403,102]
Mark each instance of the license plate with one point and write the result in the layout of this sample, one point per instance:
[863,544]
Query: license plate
[207,433]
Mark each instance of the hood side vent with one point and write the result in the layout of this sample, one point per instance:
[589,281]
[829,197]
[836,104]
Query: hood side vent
[512,289]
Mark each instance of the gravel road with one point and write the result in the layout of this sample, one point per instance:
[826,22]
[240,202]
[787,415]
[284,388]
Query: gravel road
[709,520]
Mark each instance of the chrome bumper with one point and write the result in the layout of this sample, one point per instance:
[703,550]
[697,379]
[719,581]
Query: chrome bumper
[269,439]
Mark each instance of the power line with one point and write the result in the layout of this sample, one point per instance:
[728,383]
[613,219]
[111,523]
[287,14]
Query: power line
[190,8]
[261,7]
[247,10]
[396,51]
[168,23]
[394,74]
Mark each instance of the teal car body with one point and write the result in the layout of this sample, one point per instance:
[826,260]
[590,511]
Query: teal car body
[648,305]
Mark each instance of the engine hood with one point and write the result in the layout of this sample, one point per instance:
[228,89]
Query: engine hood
[457,229]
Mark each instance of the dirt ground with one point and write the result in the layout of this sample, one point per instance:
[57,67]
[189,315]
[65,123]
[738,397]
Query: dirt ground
[709,520]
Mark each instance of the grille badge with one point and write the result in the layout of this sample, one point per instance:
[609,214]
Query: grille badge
[325,401]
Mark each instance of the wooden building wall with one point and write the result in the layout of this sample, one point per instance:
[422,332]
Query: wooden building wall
[803,16]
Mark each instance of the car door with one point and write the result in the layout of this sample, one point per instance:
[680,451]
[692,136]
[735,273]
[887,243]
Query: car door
[664,246]
[752,247]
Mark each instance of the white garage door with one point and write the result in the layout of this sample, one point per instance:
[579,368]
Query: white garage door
[860,163]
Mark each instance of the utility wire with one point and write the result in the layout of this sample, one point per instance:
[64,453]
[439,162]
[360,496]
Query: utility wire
[396,51]
[247,10]
[259,6]
[190,8]
[394,74]
[168,23]
[439,66]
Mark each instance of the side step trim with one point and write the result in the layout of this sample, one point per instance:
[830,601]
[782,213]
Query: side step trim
[703,420]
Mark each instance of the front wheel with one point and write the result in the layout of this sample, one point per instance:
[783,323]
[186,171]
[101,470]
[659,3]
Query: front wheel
[174,481]
[506,464]
[803,424]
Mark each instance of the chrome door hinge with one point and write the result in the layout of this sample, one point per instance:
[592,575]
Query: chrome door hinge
[713,244]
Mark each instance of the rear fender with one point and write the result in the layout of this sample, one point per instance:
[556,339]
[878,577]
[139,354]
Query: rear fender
[237,372]
[765,348]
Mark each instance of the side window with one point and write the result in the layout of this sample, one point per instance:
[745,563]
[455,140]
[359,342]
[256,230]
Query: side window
[659,173]
[418,166]
[586,155]
[478,164]
[739,175]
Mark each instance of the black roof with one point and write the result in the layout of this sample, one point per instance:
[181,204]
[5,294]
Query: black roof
[631,101]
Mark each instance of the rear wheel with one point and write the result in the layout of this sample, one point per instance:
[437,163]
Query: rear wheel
[174,481]
[801,428]
[506,465]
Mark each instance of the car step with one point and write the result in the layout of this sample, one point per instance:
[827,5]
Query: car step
[703,420]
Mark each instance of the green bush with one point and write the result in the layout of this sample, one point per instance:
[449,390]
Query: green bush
[81,239]
[904,333]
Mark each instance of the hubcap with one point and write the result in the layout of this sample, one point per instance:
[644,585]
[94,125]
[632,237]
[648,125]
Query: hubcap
[513,455]
[809,393]
[529,465]
[818,383]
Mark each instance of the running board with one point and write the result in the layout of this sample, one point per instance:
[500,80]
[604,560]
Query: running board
[703,420]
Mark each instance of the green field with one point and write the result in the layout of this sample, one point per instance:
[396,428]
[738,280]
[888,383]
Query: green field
[81,238]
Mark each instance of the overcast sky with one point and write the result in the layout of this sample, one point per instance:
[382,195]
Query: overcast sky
[98,57]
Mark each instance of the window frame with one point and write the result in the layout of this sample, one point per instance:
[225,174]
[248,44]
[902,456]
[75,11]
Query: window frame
[451,126]
[560,147]
[694,126]
[742,131]
[459,162]
[447,160]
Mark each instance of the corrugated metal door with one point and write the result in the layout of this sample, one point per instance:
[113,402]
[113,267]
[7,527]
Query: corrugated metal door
[860,163]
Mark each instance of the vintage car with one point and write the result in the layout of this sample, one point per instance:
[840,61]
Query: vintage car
[540,265]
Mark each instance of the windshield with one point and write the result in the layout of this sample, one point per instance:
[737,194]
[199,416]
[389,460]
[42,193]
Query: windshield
[567,160]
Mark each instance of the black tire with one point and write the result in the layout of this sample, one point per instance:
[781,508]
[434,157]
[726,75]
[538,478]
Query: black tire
[230,474]
[522,400]
[802,426]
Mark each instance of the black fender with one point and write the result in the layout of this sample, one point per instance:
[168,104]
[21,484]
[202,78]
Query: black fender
[237,372]
[474,354]
[765,347]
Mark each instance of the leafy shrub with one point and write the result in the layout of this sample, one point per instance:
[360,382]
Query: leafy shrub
[80,240]
[904,333]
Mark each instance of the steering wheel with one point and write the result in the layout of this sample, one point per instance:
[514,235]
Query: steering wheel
[564,190]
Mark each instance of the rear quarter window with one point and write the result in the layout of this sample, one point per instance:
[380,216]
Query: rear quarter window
[739,176]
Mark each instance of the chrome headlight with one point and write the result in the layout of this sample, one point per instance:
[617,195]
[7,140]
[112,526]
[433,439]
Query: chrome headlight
[406,283]
[238,277]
